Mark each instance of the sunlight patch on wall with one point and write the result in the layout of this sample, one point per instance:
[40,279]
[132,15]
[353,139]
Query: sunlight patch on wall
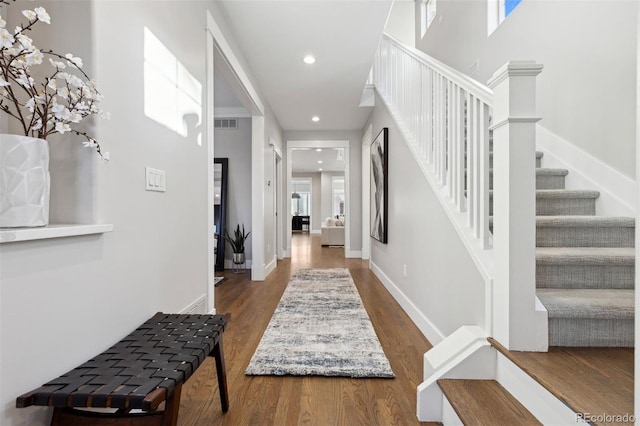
[172,96]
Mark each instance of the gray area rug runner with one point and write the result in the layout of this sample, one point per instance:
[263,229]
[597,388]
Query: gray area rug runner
[321,328]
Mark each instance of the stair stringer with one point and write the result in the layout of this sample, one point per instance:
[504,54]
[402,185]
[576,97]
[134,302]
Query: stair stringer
[545,406]
[465,353]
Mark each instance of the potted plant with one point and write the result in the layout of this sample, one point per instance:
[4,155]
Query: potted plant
[237,243]
[45,92]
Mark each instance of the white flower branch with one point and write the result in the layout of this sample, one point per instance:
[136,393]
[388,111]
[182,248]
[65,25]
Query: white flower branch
[65,97]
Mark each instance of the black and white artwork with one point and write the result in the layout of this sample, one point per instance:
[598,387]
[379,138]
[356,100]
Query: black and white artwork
[379,186]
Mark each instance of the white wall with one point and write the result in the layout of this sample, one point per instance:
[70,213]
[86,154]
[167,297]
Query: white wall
[236,146]
[400,22]
[586,93]
[442,288]
[65,300]
[355,175]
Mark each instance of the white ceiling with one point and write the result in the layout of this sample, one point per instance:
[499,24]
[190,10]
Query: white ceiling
[305,160]
[343,36]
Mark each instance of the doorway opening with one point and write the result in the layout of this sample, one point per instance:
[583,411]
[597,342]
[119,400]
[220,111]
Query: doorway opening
[317,184]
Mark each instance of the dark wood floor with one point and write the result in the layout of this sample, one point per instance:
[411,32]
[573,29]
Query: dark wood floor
[267,400]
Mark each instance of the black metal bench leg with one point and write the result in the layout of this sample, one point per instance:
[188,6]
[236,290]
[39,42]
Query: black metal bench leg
[218,353]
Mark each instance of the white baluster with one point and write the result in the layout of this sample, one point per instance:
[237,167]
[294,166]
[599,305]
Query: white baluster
[470,160]
[428,94]
[450,145]
[483,157]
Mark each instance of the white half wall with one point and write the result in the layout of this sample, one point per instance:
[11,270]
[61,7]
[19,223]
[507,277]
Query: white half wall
[442,284]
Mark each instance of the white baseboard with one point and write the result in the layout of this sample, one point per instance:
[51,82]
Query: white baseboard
[271,266]
[353,254]
[617,192]
[228,264]
[315,231]
[427,328]
[198,306]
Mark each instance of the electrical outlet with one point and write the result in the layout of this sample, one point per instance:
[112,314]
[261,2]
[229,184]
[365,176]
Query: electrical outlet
[404,270]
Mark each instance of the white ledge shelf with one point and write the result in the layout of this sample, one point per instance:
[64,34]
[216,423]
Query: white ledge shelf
[10,235]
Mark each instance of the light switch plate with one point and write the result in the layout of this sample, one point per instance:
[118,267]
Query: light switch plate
[155,180]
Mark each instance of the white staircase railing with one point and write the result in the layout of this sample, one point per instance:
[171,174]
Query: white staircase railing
[444,113]
[447,119]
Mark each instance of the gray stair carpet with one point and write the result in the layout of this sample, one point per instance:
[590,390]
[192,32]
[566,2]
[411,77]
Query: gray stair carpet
[585,266]
[585,231]
[589,317]
[561,202]
[545,178]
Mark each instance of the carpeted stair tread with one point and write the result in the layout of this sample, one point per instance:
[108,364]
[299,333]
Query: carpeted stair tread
[585,221]
[585,255]
[551,172]
[485,402]
[577,221]
[585,231]
[566,193]
[588,303]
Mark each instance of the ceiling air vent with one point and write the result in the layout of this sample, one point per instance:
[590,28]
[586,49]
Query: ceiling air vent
[226,123]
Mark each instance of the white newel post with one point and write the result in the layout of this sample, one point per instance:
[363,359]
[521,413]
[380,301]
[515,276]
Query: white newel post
[519,322]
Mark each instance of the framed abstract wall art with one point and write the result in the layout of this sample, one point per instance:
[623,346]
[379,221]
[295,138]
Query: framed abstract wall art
[379,209]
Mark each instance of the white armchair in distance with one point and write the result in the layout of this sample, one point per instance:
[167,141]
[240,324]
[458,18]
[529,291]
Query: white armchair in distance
[332,232]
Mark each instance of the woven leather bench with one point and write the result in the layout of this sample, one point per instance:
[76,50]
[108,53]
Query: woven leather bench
[140,372]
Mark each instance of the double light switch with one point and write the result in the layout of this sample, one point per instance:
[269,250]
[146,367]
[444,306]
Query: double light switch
[155,180]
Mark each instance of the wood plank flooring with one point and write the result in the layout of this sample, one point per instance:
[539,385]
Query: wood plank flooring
[588,380]
[268,400]
[485,402]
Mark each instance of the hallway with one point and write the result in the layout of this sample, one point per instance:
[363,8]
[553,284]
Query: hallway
[288,400]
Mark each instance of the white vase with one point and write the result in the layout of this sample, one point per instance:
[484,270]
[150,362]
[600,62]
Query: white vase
[24,181]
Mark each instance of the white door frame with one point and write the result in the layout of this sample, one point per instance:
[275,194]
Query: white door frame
[255,106]
[366,192]
[209,138]
[277,200]
[323,144]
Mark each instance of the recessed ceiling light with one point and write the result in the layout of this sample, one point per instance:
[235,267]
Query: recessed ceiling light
[315,118]
[319,161]
[319,149]
[309,59]
[320,169]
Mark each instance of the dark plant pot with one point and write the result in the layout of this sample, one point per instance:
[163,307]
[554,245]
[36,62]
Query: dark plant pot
[238,258]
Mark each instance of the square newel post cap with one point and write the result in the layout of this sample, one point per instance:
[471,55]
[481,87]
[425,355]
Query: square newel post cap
[515,69]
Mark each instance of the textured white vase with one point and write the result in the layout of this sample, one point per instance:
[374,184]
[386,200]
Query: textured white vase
[24,181]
